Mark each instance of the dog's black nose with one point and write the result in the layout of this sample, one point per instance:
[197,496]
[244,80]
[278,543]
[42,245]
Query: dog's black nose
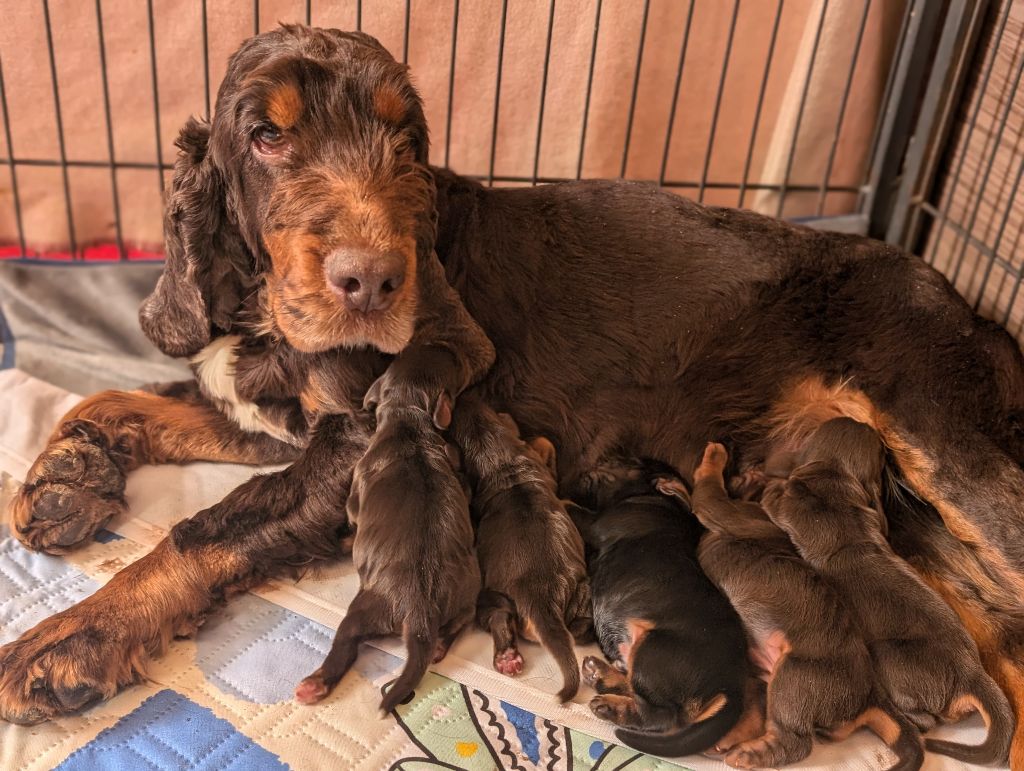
[365,280]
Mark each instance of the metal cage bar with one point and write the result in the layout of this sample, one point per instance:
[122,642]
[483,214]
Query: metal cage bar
[697,179]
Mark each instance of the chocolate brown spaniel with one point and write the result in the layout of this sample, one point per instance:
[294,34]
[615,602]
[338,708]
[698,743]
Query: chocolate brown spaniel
[301,233]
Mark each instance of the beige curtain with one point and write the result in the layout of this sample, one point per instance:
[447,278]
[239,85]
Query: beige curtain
[805,127]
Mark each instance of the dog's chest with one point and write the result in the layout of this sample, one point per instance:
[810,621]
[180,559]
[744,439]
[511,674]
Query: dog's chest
[216,368]
[279,391]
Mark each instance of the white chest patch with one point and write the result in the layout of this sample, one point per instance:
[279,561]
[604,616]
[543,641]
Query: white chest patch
[215,370]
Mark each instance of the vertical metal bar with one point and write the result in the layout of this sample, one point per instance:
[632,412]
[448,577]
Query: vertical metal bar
[999,238]
[497,94]
[636,86]
[919,31]
[800,111]
[969,229]
[206,61]
[675,94]
[359,15]
[309,12]
[255,17]
[842,107]
[718,101]
[156,95]
[451,83]
[590,84]
[10,164]
[110,133]
[941,99]
[760,103]
[543,91]
[405,33]
[972,123]
[60,131]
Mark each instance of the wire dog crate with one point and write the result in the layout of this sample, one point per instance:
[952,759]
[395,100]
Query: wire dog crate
[898,118]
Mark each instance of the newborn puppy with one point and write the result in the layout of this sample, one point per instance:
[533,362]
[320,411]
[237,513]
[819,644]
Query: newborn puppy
[925,660]
[677,646]
[413,548]
[816,663]
[531,556]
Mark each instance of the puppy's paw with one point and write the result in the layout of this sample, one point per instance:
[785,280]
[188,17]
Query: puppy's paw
[509,661]
[311,690]
[591,669]
[712,466]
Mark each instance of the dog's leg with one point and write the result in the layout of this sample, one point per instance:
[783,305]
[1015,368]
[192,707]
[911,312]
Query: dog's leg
[366,618]
[77,484]
[496,614]
[271,522]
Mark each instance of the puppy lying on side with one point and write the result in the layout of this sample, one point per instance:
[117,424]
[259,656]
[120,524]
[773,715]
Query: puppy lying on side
[925,660]
[678,648]
[531,556]
[817,666]
[413,548]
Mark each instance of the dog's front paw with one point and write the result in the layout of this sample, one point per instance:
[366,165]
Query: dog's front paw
[64,664]
[72,490]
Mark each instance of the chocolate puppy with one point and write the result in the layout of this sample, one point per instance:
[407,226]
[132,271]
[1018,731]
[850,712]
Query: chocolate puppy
[816,663]
[925,660]
[413,548]
[531,555]
[678,648]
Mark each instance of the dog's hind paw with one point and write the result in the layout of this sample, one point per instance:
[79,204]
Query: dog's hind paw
[72,490]
[509,661]
[311,690]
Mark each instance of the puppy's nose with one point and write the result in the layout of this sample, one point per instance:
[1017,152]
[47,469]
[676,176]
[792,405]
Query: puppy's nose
[365,280]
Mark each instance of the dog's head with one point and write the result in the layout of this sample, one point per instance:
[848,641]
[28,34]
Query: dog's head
[310,184]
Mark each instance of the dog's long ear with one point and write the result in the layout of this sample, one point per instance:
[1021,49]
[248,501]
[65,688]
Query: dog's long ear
[198,239]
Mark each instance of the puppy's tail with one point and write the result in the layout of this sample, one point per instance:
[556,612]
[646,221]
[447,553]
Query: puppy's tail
[898,733]
[419,634]
[554,635]
[985,697]
[688,739]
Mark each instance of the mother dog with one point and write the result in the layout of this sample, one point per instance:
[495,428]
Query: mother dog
[626,321]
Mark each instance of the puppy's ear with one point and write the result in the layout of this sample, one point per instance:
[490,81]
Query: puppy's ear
[200,244]
[546,451]
[443,411]
[674,488]
[699,711]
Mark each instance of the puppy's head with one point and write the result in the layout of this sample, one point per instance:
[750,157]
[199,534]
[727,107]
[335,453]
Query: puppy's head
[850,446]
[312,178]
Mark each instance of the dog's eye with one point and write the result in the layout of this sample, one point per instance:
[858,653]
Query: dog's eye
[268,139]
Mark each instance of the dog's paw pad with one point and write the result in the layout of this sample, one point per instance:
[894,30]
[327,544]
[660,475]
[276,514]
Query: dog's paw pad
[311,690]
[509,662]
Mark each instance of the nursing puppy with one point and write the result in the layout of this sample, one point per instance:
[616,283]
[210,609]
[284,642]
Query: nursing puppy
[413,548]
[678,649]
[816,663]
[925,660]
[525,539]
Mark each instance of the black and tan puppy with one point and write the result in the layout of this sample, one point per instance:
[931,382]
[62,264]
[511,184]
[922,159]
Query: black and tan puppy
[817,665]
[413,549]
[925,661]
[534,573]
[679,652]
